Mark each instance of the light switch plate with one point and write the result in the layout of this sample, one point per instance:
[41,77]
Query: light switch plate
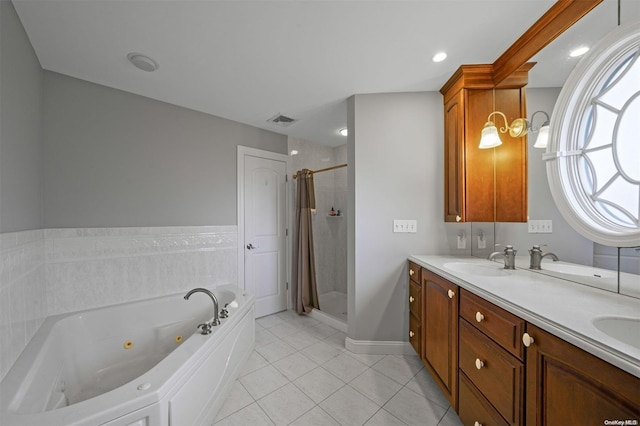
[405,225]
[540,227]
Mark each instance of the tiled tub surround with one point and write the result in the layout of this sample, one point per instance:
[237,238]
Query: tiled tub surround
[563,308]
[54,271]
[23,296]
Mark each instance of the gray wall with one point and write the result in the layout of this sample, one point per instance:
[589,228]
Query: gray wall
[21,90]
[115,159]
[395,156]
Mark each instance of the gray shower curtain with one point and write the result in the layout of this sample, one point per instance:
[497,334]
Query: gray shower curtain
[305,292]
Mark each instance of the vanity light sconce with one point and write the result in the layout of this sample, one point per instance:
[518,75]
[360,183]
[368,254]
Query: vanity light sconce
[518,128]
[543,131]
[490,137]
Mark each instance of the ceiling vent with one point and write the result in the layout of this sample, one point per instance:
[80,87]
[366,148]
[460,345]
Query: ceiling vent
[281,120]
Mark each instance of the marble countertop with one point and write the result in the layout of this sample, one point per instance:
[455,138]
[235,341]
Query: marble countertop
[563,308]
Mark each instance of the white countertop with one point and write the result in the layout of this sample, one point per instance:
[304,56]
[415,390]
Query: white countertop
[563,308]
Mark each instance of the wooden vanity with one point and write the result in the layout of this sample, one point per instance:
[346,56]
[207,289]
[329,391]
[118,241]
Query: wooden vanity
[496,368]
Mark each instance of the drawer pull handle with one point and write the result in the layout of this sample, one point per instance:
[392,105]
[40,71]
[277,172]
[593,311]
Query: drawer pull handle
[527,340]
[477,424]
[479,317]
[479,363]
[411,299]
[411,333]
[451,293]
[411,272]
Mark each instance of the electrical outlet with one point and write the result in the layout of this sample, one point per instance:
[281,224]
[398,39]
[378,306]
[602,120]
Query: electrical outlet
[482,242]
[462,241]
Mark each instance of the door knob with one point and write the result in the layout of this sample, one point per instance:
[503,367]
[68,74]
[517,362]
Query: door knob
[251,246]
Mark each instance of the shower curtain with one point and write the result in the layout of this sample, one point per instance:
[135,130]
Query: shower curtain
[305,292]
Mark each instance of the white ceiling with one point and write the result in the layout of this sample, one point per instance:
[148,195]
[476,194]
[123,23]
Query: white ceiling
[249,60]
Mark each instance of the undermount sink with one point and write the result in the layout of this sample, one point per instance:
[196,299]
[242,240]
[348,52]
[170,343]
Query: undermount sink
[578,270]
[489,270]
[624,329]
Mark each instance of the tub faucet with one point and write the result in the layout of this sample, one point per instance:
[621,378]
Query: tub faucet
[509,256]
[537,255]
[206,327]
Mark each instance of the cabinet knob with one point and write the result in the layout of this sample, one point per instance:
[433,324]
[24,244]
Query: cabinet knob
[479,363]
[527,340]
[479,317]
[451,293]
[411,299]
[411,333]
[411,272]
[477,424]
[458,218]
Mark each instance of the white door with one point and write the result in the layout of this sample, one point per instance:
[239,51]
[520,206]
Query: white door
[264,223]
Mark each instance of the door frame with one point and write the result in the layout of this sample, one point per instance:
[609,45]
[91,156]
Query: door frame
[243,151]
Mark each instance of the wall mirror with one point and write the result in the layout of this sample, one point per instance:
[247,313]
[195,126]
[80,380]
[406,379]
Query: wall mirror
[545,81]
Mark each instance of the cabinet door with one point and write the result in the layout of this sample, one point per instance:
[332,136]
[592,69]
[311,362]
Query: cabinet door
[568,386]
[440,331]
[454,181]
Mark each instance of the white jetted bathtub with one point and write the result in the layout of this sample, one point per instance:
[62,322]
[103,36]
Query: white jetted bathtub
[139,363]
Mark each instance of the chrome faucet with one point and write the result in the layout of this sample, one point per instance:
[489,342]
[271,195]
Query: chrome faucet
[509,256]
[206,327]
[537,255]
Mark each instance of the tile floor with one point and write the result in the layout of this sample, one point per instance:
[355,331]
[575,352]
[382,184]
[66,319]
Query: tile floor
[301,374]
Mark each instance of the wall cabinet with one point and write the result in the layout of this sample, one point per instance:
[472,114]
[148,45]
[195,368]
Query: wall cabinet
[476,179]
[478,355]
[440,332]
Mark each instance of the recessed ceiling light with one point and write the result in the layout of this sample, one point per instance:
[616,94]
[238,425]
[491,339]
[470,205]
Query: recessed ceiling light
[142,62]
[439,57]
[579,51]
[343,132]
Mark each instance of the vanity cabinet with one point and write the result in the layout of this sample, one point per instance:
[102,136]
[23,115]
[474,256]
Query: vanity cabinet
[440,333]
[415,308]
[568,386]
[491,362]
[471,189]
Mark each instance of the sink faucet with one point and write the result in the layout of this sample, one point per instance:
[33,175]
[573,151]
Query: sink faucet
[509,256]
[537,255]
[206,327]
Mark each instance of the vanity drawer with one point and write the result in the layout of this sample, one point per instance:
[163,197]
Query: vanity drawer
[414,272]
[497,374]
[415,334]
[415,299]
[502,326]
[474,408]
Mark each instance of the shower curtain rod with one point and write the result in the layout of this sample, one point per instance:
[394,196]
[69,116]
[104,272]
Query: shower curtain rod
[295,175]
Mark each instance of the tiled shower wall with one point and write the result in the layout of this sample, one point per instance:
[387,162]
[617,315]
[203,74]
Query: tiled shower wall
[53,271]
[329,233]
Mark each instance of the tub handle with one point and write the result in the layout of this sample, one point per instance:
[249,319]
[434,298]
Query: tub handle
[206,328]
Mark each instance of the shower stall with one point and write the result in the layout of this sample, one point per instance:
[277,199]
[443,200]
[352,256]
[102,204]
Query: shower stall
[329,222]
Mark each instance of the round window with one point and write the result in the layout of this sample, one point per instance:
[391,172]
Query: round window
[593,158]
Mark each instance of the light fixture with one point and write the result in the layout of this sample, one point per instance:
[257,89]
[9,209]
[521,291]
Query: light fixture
[142,62]
[294,152]
[519,127]
[490,137]
[579,51]
[439,57]
[543,131]
[343,132]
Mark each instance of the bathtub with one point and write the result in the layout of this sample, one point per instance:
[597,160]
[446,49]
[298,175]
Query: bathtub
[138,363]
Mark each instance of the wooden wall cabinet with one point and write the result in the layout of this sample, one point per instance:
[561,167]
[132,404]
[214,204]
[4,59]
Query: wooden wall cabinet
[440,333]
[484,185]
